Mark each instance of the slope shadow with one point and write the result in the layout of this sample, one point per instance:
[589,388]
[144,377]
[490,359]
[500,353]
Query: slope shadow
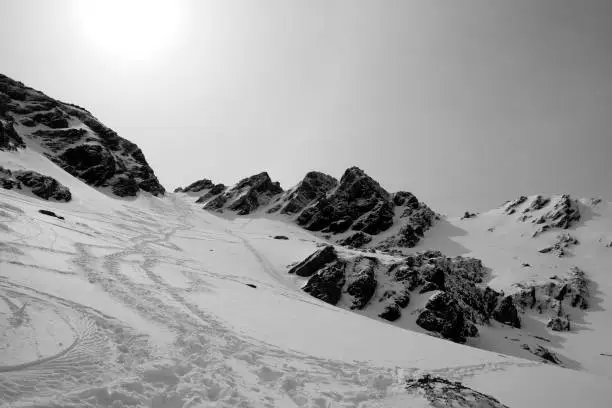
[440,237]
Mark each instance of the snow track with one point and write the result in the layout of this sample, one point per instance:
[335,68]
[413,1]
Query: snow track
[132,302]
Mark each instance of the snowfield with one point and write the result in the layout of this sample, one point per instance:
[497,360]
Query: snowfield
[146,303]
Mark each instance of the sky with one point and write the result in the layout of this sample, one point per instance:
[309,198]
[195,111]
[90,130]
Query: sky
[466,104]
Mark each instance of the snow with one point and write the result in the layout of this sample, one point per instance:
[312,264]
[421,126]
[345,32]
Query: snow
[145,302]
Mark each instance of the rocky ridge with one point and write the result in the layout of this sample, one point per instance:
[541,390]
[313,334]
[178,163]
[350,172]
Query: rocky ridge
[556,298]
[545,212]
[73,139]
[457,301]
[350,212]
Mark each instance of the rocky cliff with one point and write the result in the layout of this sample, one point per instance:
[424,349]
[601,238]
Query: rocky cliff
[74,139]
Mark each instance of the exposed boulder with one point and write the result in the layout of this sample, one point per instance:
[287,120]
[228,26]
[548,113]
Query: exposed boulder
[506,312]
[391,313]
[546,355]
[361,282]
[51,214]
[40,185]
[214,191]
[327,284]
[315,262]
[281,237]
[441,392]
[559,323]
[125,187]
[560,246]
[443,315]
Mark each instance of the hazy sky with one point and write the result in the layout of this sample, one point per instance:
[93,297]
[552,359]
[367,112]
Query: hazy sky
[464,103]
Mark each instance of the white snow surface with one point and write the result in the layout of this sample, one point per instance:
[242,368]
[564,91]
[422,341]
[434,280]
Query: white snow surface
[145,303]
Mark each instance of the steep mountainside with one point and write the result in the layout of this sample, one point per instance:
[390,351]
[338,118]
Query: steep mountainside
[74,139]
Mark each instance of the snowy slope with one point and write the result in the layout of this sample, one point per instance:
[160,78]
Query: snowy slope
[506,244]
[145,302]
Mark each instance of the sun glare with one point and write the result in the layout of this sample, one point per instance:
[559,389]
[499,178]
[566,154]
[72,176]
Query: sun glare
[130,29]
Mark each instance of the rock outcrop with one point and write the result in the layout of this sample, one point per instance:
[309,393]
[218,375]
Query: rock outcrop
[315,262]
[443,315]
[559,293]
[505,312]
[359,201]
[545,212]
[441,392]
[42,186]
[458,302]
[314,186]
[350,212]
[247,196]
[73,139]
[561,245]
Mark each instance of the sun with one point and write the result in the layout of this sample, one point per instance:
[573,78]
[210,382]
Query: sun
[130,29]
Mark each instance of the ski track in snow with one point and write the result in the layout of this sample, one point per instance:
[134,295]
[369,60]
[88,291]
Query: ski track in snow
[110,363]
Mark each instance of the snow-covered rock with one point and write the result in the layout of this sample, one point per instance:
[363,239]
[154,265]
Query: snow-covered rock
[247,196]
[73,139]
[38,184]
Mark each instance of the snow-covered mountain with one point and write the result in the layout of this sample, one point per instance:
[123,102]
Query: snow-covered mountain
[155,302]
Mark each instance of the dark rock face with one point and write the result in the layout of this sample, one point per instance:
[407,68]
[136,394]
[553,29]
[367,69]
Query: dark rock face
[314,186]
[88,150]
[356,195]
[315,262]
[558,293]
[559,323]
[391,313]
[356,240]
[214,191]
[281,237]
[506,312]
[327,284]
[51,214]
[198,186]
[40,185]
[368,281]
[560,246]
[248,195]
[546,355]
[440,392]
[9,138]
[361,282]
[443,315]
